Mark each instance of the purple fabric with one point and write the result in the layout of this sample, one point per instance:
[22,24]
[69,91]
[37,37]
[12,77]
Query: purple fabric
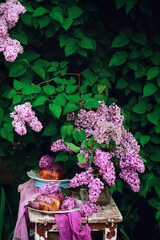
[69,227]
[27,192]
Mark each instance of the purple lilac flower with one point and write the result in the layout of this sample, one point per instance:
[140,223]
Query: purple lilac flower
[132,160]
[131,177]
[88,208]
[105,131]
[83,178]
[50,188]
[46,161]
[3,26]
[95,187]
[107,169]
[60,146]
[71,116]
[114,115]
[9,15]
[86,120]
[24,114]
[69,204]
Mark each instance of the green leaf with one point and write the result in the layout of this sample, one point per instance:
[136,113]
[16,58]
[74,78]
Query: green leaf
[137,86]
[6,132]
[61,157]
[55,109]
[40,101]
[119,186]
[144,139]
[75,98]
[140,38]
[17,70]
[11,94]
[70,107]
[67,23]
[75,12]
[75,135]
[121,83]
[120,3]
[86,43]
[28,89]
[17,84]
[17,99]
[129,5]
[153,117]
[39,70]
[71,89]
[74,147]
[70,49]
[101,87]
[69,129]
[50,130]
[49,89]
[91,103]
[155,155]
[44,21]
[81,135]
[81,158]
[154,202]
[120,41]
[152,73]
[118,58]
[91,141]
[57,16]
[149,89]
[91,159]
[39,11]
[140,107]
[60,100]
[64,131]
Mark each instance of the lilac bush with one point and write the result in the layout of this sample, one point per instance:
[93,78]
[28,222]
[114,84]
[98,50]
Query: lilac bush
[9,15]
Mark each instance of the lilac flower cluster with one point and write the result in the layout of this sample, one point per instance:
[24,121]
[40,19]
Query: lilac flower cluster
[9,15]
[84,178]
[60,146]
[46,161]
[69,204]
[95,187]
[50,188]
[107,170]
[71,116]
[88,208]
[104,124]
[24,114]
[86,120]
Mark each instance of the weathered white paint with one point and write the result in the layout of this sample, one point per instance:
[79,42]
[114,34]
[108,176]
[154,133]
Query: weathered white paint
[106,231]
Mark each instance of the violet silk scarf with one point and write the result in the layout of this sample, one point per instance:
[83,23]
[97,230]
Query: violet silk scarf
[69,225]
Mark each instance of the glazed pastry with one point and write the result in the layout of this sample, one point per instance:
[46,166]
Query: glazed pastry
[45,203]
[55,172]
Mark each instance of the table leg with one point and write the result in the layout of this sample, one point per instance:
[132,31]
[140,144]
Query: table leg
[41,231]
[110,232]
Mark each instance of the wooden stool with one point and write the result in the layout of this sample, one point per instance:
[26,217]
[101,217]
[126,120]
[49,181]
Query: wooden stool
[105,220]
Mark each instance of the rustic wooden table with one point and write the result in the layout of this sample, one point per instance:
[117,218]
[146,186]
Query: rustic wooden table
[106,220]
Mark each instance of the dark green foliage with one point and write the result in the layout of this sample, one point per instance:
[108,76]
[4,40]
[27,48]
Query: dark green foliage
[82,50]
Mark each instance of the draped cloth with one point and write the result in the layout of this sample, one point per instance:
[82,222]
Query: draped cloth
[27,192]
[69,225]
